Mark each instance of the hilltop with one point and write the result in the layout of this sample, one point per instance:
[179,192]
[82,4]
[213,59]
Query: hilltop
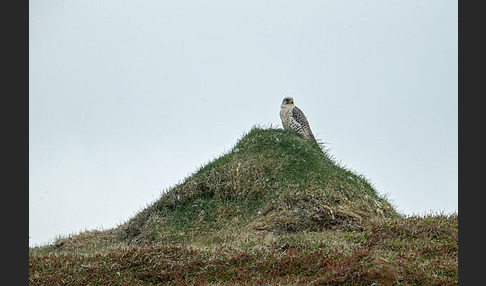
[271,180]
[276,208]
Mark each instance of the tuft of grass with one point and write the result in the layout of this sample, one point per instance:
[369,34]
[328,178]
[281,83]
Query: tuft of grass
[275,209]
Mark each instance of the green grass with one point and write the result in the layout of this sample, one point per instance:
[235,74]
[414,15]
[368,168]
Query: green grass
[274,209]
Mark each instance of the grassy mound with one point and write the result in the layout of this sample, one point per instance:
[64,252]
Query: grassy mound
[276,210]
[272,180]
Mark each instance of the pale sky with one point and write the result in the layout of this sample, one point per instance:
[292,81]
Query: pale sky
[128,98]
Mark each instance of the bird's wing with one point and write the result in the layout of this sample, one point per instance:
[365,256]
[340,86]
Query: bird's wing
[299,116]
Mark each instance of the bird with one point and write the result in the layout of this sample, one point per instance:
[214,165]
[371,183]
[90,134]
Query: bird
[294,119]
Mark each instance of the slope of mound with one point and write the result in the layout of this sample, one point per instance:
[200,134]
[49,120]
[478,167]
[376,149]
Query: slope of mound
[271,180]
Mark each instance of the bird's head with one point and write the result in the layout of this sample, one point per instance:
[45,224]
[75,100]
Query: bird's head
[287,100]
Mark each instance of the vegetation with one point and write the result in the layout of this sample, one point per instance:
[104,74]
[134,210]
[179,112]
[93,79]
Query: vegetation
[275,209]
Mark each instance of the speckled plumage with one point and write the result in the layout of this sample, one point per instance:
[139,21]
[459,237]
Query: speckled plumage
[294,119]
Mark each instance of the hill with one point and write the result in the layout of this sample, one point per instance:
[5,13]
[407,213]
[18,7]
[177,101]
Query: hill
[274,209]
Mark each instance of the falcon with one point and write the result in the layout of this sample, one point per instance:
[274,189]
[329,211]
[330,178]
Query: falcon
[294,119]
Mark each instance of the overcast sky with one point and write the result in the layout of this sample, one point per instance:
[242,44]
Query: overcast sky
[128,98]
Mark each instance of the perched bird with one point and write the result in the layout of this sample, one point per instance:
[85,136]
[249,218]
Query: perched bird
[294,119]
